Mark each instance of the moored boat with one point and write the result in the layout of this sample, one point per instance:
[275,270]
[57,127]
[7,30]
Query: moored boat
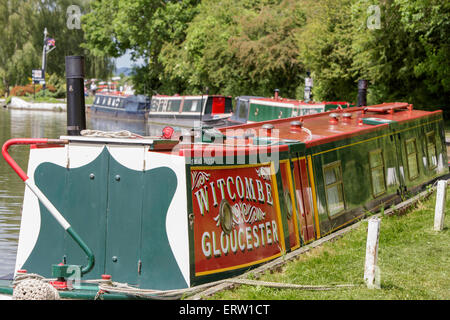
[168,215]
[159,216]
[120,107]
[187,111]
[249,109]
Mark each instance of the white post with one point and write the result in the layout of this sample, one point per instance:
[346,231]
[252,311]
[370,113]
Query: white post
[439,210]
[370,268]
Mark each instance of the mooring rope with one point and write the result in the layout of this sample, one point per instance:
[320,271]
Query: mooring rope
[178,293]
[33,287]
[110,134]
[279,285]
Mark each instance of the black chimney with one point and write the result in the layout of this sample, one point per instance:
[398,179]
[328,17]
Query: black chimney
[362,92]
[76,116]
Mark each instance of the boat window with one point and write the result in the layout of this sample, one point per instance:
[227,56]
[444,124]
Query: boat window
[109,101]
[431,150]
[243,109]
[191,105]
[334,188]
[155,105]
[174,105]
[229,105]
[411,155]
[376,163]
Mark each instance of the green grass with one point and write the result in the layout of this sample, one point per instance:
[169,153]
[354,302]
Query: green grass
[414,263]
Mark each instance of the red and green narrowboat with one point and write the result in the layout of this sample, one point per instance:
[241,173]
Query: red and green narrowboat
[171,214]
[251,109]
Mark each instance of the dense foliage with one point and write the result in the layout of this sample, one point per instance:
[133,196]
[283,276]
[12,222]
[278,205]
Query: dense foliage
[250,47]
[22,23]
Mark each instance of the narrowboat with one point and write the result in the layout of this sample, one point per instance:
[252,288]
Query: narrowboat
[249,109]
[119,106]
[187,111]
[167,214]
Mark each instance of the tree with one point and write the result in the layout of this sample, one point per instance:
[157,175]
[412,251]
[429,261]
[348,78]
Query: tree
[239,47]
[21,34]
[143,27]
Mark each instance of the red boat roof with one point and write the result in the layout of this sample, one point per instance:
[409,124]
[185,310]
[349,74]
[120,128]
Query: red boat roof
[334,125]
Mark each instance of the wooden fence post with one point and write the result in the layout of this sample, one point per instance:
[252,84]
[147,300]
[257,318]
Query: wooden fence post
[439,210]
[370,268]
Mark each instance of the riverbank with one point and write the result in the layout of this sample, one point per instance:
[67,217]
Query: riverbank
[414,264]
[23,104]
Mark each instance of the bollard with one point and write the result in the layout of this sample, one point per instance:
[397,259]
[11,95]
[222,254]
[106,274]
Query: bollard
[439,210]
[370,268]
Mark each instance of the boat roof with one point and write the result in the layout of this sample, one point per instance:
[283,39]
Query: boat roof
[336,124]
[294,102]
[189,96]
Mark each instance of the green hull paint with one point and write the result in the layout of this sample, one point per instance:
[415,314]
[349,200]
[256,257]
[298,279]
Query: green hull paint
[263,112]
[121,219]
[125,217]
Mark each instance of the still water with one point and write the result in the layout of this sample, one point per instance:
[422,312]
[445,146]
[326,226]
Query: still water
[32,124]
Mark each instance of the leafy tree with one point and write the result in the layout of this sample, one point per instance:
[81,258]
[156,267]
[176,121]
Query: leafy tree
[239,47]
[21,33]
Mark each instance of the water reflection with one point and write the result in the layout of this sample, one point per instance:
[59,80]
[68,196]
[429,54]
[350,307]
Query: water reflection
[33,124]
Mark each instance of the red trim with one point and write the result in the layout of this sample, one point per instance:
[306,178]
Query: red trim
[25,141]
[45,146]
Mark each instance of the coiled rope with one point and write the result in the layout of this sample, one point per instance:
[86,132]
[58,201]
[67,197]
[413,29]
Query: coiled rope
[110,134]
[33,287]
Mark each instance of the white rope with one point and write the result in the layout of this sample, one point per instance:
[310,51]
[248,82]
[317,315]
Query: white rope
[33,287]
[110,134]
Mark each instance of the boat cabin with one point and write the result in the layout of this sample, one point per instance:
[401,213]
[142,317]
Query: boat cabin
[190,107]
[263,109]
[120,106]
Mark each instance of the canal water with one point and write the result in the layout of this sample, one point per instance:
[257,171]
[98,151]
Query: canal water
[32,124]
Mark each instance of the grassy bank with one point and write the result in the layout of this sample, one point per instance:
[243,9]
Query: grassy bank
[414,263]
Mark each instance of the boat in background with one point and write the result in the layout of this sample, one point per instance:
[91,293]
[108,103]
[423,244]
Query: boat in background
[114,105]
[187,111]
[250,109]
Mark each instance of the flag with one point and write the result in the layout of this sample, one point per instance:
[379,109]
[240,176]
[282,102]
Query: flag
[51,42]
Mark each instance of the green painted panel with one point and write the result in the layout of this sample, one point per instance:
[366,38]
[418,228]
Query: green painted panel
[159,267]
[81,199]
[125,194]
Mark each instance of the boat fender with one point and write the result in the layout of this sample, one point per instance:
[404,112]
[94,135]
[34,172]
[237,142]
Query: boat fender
[167,132]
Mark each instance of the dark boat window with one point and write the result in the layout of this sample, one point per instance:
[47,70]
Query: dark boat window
[334,188]
[431,150]
[174,105]
[243,109]
[411,157]
[229,105]
[209,103]
[376,163]
[192,105]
